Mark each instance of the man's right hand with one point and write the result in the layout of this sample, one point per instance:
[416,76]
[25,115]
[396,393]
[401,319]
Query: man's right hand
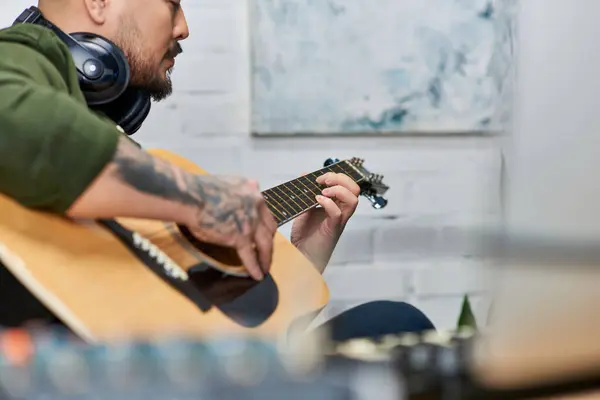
[228,211]
[235,214]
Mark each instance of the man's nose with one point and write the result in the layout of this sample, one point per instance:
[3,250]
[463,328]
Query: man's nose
[181,31]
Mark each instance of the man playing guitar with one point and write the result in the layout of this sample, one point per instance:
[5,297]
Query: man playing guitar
[61,155]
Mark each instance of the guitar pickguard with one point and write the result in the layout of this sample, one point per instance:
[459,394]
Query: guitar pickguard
[244,300]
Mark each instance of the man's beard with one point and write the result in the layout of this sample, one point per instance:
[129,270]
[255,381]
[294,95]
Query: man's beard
[144,76]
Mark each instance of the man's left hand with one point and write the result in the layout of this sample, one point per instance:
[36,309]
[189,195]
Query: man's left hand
[316,232]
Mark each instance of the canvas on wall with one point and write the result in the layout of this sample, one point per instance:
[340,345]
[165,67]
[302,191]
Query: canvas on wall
[379,66]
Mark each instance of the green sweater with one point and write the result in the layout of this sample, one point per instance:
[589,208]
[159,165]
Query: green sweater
[51,145]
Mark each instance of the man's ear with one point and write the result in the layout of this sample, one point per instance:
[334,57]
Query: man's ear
[96,9]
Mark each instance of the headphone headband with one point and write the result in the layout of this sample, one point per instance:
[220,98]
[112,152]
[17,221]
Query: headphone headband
[86,63]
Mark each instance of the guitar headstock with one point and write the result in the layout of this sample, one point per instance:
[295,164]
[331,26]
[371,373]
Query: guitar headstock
[371,185]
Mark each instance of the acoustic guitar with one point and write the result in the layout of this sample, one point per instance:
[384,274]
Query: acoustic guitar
[146,279]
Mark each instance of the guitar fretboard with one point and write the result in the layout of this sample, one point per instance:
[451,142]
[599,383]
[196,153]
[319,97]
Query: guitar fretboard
[292,198]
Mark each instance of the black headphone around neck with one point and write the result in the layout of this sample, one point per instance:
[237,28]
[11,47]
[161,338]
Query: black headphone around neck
[103,73]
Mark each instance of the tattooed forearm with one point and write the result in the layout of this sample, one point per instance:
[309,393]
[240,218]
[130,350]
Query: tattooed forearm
[153,176]
[223,204]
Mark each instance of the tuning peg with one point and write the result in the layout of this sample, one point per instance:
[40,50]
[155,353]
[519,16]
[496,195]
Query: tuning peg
[330,161]
[361,162]
[356,161]
[377,202]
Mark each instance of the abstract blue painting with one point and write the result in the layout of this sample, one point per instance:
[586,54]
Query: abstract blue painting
[380,66]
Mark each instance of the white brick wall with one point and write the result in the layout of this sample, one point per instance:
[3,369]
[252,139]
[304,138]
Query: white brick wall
[436,183]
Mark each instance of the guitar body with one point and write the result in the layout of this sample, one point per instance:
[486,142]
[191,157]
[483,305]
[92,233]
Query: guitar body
[93,281]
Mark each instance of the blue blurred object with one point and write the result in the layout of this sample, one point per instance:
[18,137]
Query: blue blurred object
[52,365]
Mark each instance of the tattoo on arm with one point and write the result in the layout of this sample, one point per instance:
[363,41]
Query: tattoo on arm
[223,199]
[153,176]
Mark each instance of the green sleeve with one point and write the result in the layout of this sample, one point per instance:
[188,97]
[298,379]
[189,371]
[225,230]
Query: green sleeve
[51,146]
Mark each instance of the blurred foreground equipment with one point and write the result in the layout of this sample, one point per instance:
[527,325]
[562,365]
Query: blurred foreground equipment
[52,365]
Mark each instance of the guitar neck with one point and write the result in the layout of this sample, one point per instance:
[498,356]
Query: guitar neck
[292,198]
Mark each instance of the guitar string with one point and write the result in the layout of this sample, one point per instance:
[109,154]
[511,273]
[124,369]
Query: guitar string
[273,190]
[294,211]
[299,193]
[352,172]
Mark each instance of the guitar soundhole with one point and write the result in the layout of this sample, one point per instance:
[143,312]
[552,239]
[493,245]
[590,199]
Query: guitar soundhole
[225,255]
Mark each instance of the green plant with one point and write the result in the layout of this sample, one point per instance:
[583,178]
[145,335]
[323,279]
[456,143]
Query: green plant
[466,319]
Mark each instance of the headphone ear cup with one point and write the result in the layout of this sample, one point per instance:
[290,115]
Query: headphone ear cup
[115,75]
[129,111]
